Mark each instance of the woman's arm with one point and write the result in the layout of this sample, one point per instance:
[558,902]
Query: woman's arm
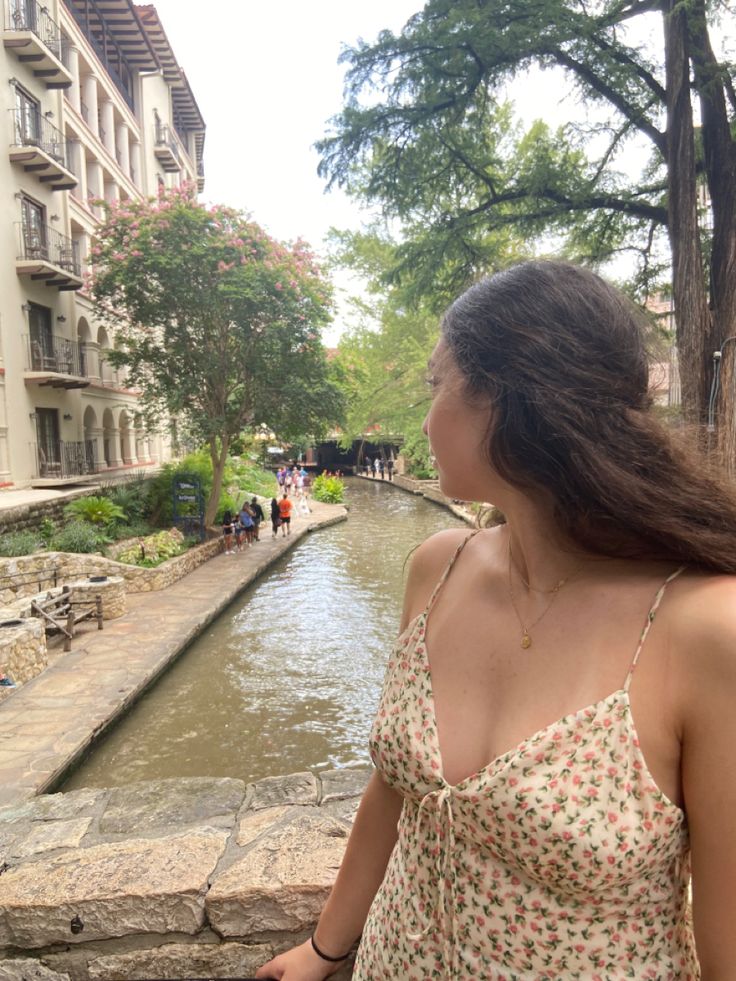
[709,770]
[369,847]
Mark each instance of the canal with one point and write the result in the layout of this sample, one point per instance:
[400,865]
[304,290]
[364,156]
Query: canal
[288,678]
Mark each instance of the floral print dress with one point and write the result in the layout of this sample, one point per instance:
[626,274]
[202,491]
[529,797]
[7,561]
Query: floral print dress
[559,859]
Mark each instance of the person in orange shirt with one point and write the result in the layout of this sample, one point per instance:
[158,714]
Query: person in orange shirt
[285,507]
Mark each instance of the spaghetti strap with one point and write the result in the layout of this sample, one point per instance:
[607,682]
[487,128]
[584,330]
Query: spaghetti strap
[649,621]
[448,569]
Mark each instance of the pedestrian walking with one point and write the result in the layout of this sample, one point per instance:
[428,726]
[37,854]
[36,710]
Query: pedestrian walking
[258,517]
[275,517]
[390,467]
[285,507]
[376,466]
[381,467]
[228,531]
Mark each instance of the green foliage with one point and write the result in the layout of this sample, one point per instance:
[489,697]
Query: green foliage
[18,543]
[100,511]
[131,498]
[132,529]
[154,549]
[161,487]
[47,530]
[329,490]
[415,450]
[252,479]
[215,321]
[79,536]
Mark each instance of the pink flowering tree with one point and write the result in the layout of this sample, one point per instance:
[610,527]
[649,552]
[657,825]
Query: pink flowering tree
[217,323]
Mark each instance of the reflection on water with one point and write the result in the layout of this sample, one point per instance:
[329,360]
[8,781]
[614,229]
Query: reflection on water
[289,677]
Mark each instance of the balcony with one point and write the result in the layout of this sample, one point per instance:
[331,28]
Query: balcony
[46,255]
[42,149]
[54,361]
[200,176]
[167,148]
[36,40]
[60,461]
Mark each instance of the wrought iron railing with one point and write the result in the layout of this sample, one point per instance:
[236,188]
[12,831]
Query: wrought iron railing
[165,137]
[50,352]
[31,128]
[42,242]
[59,458]
[28,15]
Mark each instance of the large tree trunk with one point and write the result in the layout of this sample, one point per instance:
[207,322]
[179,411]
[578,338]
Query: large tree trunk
[691,306]
[719,155]
[218,455]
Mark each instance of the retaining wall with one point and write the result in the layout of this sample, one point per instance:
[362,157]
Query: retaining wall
[171,878]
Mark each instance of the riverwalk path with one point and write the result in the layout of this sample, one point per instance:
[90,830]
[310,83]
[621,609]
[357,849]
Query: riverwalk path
[49,723]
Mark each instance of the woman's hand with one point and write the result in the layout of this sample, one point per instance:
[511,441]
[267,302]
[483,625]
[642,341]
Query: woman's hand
[298,964]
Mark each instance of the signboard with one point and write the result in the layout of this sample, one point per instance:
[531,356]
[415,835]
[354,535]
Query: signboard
[188,504]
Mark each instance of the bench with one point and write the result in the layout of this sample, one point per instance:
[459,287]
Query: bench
[61,614]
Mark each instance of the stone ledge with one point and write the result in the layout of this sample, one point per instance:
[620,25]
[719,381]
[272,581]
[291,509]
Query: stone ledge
[171,896]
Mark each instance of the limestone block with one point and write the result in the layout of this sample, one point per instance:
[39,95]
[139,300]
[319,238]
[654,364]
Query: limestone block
[228,960]
[254,823]
[282,882]
[135,886]
[296,788]
[341,784]
[49,835]
[53,807]
[28,969]
[172,803]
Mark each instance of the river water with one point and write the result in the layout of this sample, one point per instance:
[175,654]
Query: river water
[288,678]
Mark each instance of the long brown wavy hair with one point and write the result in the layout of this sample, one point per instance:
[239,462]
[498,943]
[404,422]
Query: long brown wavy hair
[562,357]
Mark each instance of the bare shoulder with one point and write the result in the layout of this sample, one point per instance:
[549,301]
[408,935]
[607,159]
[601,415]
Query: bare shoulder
[428,562]
[703,638]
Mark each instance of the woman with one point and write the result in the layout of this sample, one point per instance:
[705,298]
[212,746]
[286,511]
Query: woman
[275,517]
[556,731]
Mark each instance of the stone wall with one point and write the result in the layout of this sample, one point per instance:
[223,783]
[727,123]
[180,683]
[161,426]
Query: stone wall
[27,575]
[169,879]
[27,517]
[23,652]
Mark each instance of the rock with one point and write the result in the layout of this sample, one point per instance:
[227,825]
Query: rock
[53,807]
[282,882]
[255,823]
[49,835]
[172,803]
[137,886]
[228,960]
[27,969]
[340,784]
[296,788]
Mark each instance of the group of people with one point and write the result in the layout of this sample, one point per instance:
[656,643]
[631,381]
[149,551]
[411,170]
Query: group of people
[378,467]
[242,529]
[293,480]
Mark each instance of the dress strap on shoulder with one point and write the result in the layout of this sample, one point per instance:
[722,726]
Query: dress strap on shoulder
[649,621]
[448,569]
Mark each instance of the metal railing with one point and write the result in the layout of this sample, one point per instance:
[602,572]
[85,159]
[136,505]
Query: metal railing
[165,136]
[42,242]
[59,458]
[50,352]
[28,15]
[31,128]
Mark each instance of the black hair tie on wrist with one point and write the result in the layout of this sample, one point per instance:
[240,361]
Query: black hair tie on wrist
[326,957]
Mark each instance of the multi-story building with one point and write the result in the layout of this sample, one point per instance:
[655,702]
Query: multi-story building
[95,109]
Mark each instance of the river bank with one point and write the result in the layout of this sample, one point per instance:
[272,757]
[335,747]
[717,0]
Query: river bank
[52,720]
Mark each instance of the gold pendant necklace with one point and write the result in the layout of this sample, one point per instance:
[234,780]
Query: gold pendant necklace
[526,637]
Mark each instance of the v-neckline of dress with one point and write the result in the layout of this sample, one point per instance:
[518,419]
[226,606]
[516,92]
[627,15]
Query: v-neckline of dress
[592,709]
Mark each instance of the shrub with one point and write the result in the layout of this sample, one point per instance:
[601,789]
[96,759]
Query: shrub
[18,543]
[132,498]
[95,511]
[154,549]
[47,530]
[329,490]
[79,536]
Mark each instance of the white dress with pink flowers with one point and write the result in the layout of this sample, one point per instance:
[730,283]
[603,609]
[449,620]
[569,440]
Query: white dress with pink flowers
[559,859]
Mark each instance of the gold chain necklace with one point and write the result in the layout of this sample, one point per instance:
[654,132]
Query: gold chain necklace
[526,639]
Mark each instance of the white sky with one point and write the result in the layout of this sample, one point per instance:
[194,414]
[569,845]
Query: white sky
[266,78]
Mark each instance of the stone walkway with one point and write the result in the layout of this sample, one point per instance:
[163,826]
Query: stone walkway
[50,721]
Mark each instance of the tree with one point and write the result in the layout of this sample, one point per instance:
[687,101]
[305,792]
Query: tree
[436,147]
[215,321]
[383,371]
